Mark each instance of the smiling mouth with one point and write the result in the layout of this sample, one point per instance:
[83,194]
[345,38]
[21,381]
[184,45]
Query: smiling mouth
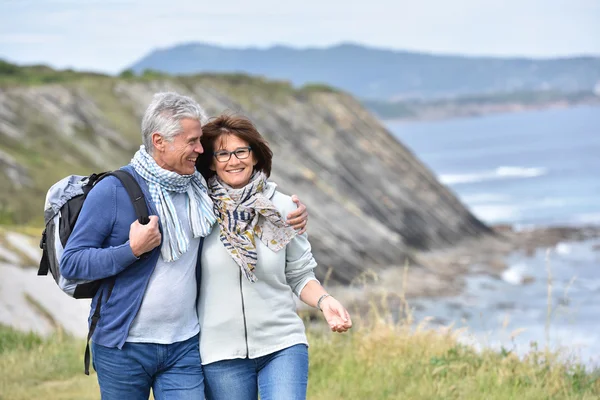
[233,171]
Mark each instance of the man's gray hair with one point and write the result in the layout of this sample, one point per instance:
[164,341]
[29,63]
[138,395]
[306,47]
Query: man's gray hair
[164,115]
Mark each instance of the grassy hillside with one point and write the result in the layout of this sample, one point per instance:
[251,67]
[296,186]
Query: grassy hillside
[61,122]
[377,361]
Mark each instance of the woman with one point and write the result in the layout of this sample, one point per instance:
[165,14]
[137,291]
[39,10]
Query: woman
[251,339]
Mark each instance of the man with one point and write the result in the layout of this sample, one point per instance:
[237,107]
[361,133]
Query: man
[147,333]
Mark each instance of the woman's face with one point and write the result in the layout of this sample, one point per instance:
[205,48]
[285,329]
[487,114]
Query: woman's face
[234,172]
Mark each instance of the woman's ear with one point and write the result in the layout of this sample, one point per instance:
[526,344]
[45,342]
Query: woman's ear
[212,166]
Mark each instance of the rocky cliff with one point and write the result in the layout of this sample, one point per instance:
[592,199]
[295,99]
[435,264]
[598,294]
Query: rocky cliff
[371,202]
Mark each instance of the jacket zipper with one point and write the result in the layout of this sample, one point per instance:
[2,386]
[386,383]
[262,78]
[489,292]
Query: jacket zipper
[244,315]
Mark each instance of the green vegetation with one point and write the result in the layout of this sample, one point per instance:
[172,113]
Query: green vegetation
[52,368]
[319,87]
[88,124]
[14,75]
[126,74]
[375,361]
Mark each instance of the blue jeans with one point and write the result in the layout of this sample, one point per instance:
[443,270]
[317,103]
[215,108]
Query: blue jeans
[282,375]
[173,371]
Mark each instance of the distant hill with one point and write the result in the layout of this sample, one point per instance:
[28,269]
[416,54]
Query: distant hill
[371,73]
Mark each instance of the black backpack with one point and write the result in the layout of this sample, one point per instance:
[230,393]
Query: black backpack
[64,201]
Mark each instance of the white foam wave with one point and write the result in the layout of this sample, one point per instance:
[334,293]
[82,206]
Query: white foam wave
[503,172]
[492,213]
[562,249]
[515,275]
[478,198]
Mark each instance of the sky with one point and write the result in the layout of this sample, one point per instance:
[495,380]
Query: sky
[110,35]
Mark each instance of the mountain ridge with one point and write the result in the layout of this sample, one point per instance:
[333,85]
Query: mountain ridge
[375,73]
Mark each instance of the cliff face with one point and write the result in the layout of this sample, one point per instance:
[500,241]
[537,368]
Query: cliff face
[371,201]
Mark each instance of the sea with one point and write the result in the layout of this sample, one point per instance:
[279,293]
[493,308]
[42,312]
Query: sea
[527,169]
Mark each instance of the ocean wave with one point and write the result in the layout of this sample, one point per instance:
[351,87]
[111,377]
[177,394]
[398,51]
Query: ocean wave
[485,198]
[562,249]
[504,172]
[492,213]
[515,274]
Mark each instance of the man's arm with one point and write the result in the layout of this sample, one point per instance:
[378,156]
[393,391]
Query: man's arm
[84,257]
[298,218]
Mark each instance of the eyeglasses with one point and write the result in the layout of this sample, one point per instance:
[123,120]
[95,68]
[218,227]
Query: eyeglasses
[241,153]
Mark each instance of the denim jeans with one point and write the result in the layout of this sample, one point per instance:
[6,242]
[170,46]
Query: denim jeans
[282,375]
[173,371]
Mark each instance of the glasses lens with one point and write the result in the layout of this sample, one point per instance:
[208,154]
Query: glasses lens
[242,153]
[222,156]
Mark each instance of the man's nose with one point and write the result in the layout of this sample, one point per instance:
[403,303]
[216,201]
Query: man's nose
[199,149]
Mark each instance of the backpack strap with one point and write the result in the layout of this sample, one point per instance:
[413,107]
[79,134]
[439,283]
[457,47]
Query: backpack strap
[141,211]
[45,261]
[95,318]
[135,194]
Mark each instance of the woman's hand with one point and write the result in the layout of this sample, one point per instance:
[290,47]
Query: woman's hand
[299,217]
[336,315]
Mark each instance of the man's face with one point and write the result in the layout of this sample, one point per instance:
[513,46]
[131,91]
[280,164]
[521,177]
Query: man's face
[179,155]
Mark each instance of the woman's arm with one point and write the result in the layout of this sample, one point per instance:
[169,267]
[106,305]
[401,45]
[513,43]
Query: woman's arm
[334,312]
[299,274]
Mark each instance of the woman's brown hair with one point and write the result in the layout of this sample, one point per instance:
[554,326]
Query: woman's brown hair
[241,127]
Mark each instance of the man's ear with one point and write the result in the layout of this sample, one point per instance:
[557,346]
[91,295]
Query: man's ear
[158,141]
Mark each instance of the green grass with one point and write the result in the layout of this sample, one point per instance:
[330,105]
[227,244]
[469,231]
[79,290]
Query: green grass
[50,368]
[386,362]
[375,361]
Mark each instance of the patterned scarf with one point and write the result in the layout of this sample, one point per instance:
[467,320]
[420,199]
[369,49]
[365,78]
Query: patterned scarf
[199,205]
[245,213]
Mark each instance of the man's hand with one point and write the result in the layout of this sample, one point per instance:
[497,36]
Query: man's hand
[143,238]
[299,217]
[336,315]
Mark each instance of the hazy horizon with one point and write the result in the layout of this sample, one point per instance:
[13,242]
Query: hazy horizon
[107,36]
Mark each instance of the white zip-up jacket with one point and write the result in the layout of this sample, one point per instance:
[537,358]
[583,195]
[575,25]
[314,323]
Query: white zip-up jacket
[241,319]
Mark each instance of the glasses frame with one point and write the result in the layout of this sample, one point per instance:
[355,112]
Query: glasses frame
[249,148]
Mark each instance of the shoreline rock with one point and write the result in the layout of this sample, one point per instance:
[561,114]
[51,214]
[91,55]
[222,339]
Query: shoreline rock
[442,272]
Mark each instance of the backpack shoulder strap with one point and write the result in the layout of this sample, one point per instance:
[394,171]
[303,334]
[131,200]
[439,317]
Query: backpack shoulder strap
[141,211]
[135,194]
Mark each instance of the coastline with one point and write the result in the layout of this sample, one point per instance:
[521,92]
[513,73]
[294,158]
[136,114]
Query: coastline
[435,113]
[444,272]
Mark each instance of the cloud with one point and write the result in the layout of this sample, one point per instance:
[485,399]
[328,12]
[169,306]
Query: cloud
[29,38]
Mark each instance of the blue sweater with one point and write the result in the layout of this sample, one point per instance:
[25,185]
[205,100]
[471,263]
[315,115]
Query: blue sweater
[98,248]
